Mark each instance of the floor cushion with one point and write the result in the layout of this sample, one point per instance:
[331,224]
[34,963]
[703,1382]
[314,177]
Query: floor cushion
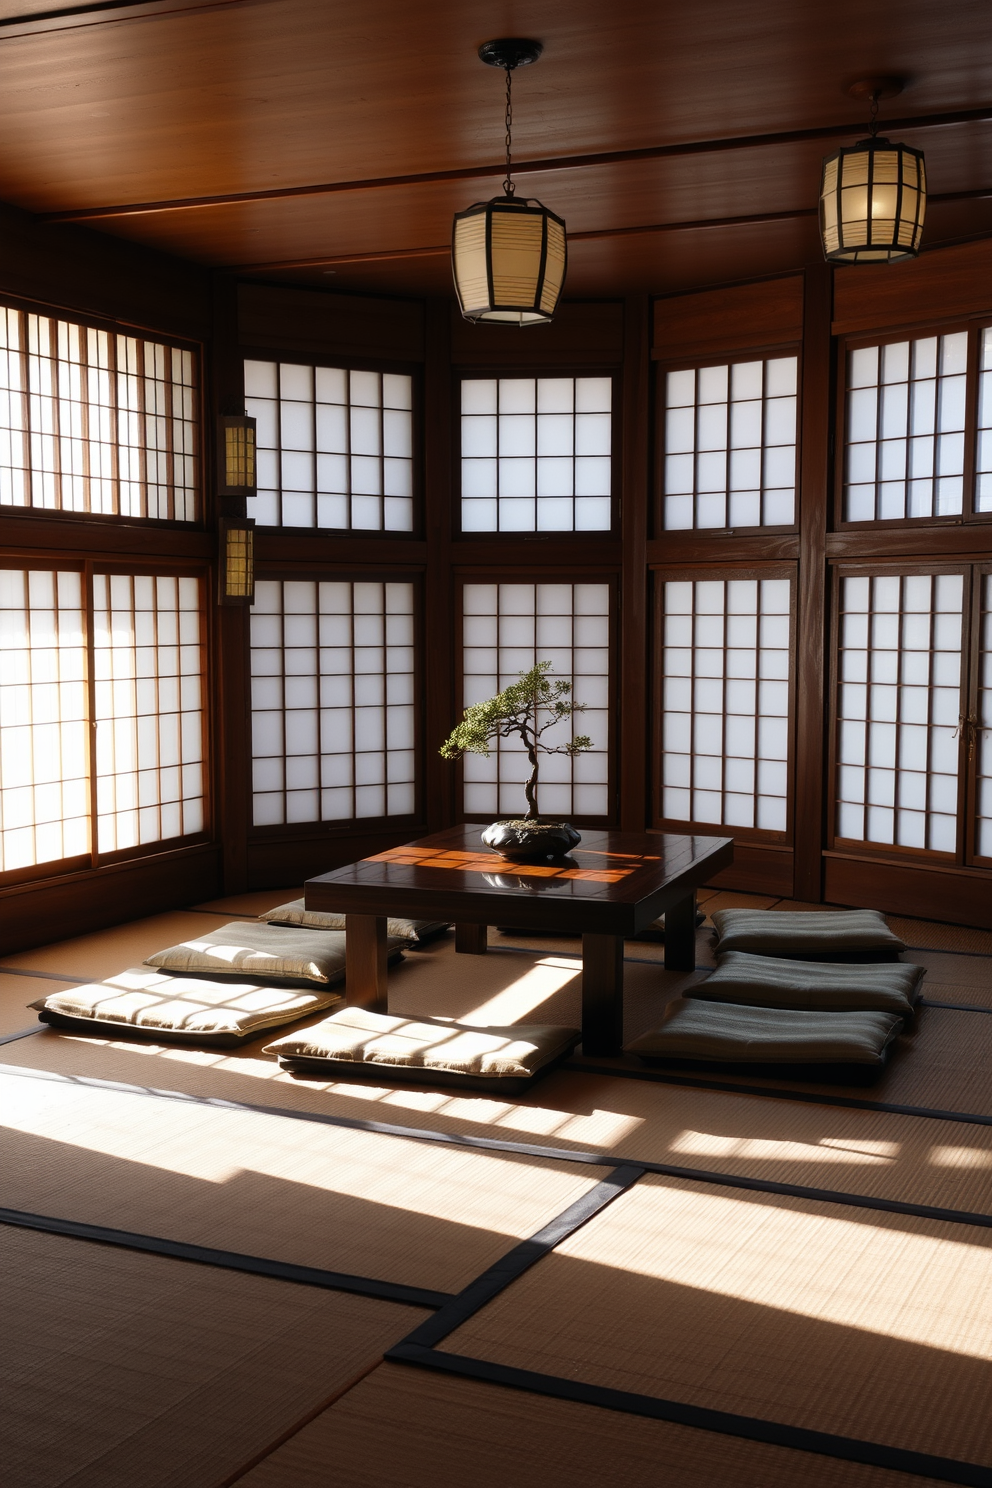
[770,981]
[807,935]
[143,1003]
[850,1046]
[356,1042]
[296,913]
[268,953]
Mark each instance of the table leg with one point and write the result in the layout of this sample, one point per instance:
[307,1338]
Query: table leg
[602,994]
[365,961]
[472,940]
[680,935]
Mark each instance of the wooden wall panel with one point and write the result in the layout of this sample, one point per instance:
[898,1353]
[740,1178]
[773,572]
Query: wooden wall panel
[757,870]
[582,334]
[947,284]
[953,894]
[275,862]
[36,913]
[89,273]
[714,321]
[310,322]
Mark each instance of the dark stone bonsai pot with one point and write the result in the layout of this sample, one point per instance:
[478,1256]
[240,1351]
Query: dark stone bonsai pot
[532,841]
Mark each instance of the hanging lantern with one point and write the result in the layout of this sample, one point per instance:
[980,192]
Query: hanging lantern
[873,197]
[508,257]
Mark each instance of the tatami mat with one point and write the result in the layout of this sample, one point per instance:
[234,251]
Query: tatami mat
[405,1428]
[343,1200]
[873,1326]
[108,951]
[16,993]
[134,1371]
[926,934]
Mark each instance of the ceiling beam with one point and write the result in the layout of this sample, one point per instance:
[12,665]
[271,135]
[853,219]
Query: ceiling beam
[523,168]
[700,224]
[109,12]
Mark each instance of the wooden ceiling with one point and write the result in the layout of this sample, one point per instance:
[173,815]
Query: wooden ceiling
[349,133]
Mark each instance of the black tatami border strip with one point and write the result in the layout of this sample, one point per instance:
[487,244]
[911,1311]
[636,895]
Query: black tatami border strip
[228,1260]
[523,1149]
[750,1428]
[11,1038]
[45,976]
[959,1007]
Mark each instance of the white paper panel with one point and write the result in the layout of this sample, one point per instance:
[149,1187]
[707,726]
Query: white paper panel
[730,445]
[897,743]
[536,454]
[725,722]
[904,449]
[95,422]
[332,691]
[335,448]
[507,628]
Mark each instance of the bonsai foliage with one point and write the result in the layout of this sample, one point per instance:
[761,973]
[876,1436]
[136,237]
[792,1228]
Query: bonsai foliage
[526,709]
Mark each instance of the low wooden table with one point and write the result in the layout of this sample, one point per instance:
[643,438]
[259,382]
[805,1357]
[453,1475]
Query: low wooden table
[613,885]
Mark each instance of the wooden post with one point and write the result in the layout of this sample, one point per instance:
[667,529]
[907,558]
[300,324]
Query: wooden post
[472,940]
[365,955]
[632,742]
[602,994]
[680,935]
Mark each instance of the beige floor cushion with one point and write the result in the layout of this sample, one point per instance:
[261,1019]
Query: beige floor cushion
[726,1035]
[355,1041]
[770,981]
[296,913]
[153,1004]
[265,952]
[800,935]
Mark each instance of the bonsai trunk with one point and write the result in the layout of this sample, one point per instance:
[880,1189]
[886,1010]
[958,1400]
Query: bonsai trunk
[530,788]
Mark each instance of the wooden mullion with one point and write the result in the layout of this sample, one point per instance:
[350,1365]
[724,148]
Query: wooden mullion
[969,477]
[811,607]
[629,607]
[441,648]
[971,733]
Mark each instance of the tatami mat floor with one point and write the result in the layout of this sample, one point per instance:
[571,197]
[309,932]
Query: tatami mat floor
[822,1310]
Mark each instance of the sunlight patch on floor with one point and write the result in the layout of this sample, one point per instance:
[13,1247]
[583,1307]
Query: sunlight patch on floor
[521,997]
[960,1157]
[828,1150]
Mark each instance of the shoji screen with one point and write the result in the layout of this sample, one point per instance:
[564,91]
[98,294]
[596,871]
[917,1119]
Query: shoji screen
[148,672]
[904,453]
[335,447]
[506,629]
[44,717]
[125,654]
[899,709]
[537,454]
[333,728]
[730,445]
[95,422]
[726,661]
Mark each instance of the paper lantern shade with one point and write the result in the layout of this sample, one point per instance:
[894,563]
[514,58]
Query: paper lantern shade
[873,200]
[508,260]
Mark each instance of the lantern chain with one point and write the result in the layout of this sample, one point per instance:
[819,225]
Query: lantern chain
[873,123]
[508,185]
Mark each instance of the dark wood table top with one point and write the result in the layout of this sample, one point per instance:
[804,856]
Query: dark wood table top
[613,883]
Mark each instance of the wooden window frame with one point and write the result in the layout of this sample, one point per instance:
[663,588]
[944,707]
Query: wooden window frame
[364,825]
[517,575]
[413,370]
[660,371]
[666,573]
[87,568]
[534,373]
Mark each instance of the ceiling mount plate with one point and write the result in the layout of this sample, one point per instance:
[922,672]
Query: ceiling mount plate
[509,51]
[875,87]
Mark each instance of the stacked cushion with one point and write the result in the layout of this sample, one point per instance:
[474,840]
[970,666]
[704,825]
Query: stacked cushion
[766,981]
[850,1046]
[358,1042]
[263,952]
[151,1004]
[814,935]
[296,913]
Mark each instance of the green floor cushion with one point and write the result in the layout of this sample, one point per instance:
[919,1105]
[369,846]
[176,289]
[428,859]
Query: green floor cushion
[808,935]
[147,1004]
[296,913]
[356,1042]
[265,952]
[719,1035]
[769,981]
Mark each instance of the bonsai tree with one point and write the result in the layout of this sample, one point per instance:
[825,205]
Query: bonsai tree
[526,709]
